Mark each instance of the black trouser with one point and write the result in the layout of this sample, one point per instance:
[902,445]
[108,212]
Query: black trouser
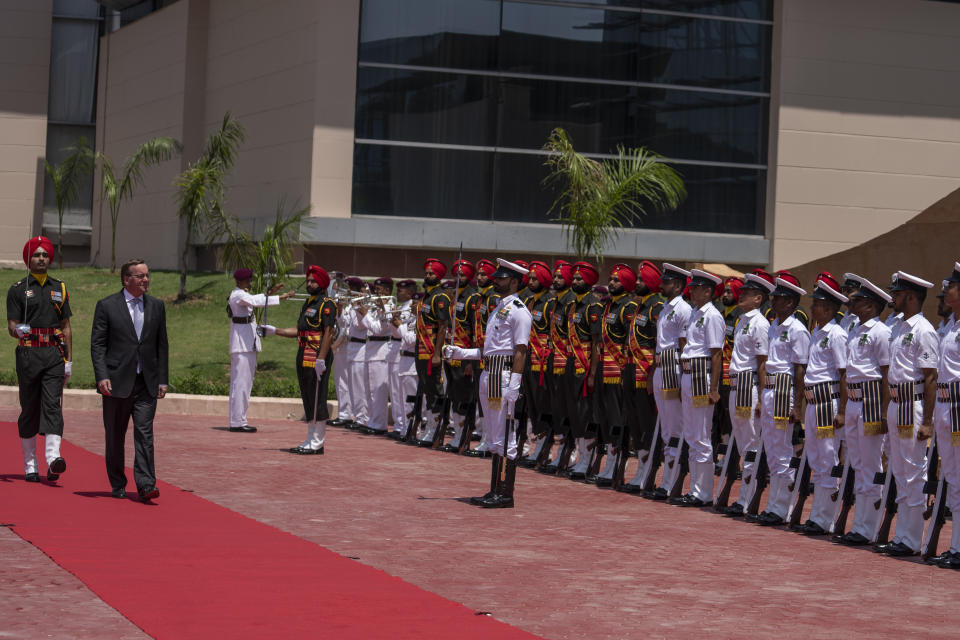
[537,398]
[430,384]
[556,385]
[460,386]
[40,379]
[307,376]
[141,406]
[610,410]
[579,407]
[640,410]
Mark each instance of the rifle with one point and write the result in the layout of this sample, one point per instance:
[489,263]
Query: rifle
[938,509]
[416,417]
[801,488]
[653,461]
[566,449]
[599,449]
[679,468]
[760,476]
[845,496]
[888,502]
[728,474]
[621,435]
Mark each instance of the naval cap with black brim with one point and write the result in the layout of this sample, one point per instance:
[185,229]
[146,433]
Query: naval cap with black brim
[507,269]
[788,289]
[701,278]
[824,291]
[903,281]
[870,291]
[754,281]
[955,276]
[673,272]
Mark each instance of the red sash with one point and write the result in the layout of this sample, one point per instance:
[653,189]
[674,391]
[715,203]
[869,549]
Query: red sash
[579,349]
[310,341]
[561,350]
[642,356]
[539,353]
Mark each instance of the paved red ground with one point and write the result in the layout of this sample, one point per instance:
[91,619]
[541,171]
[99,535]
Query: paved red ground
[571,561]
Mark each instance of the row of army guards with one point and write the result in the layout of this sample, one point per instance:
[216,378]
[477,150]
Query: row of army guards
[681,368]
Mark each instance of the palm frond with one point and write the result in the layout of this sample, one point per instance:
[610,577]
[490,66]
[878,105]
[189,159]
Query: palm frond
[151,152]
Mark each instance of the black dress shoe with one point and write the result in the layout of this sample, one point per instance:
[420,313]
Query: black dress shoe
[338,422]
[577,475]
[604,482]
[148,494]
[32,477]
[591,478]
[811,528]
[688,500]
[448,448]
[853,539]
[949,560]
[753,518]
[244,429]
[394,435]
[118,493]
[900,550]
[526,463]
[734,511]
[479,500]
[497,501]
[548,469]
[883,547]
[630,488]
[657,494]
[475,453]
[59,465]
[307,451]
[768,519]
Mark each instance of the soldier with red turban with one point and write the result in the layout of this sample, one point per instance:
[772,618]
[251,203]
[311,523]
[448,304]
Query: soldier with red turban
[536,389]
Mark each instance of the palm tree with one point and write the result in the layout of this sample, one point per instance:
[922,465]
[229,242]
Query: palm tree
[118,187]
[599,198]
[66,176]
[201,191]
[272,257]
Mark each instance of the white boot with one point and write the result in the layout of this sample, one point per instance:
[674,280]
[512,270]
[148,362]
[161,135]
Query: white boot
[537,450]
[583,456]
[306,443]
[637,479]
[430,422]
[29,446]
[610,464]
[458,430]
[317,435]
[52,445]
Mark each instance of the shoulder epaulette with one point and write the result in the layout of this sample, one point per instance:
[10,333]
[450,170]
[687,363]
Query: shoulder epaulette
[517,303]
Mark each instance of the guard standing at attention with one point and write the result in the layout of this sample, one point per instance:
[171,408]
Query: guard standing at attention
[460,382]
[555,312]
[536,391]
[38,314]
[314,333]
[504,352]
[433,319]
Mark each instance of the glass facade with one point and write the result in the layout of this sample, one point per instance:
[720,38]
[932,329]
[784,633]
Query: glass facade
[455,98]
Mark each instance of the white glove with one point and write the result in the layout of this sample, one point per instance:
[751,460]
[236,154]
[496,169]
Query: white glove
[67,370]
[451,352]
[268,329]
[510,389]
[320,366]
[23,330]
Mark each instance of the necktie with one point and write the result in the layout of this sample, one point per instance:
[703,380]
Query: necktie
[138,315]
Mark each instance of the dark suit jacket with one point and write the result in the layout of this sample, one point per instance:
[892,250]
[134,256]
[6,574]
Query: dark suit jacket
[115,348]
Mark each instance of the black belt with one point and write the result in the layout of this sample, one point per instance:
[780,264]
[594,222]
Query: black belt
[409,354]
[378,339]
[360,340]
[236,320]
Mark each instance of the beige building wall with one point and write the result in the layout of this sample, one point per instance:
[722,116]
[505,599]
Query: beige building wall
[24,80]
[869,120]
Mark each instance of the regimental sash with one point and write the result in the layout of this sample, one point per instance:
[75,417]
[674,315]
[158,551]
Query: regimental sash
[699,371]
[744,396]
[821,396]
[561,350]
[614,359]
[310,341]
[869,393]
[782,395]
[425,337]
[727,356]
[641,356]
[539,353]
[579,349]
[949,392]
[668,370]
[904,394]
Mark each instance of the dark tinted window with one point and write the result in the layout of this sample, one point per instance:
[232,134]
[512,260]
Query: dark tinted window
[749,9]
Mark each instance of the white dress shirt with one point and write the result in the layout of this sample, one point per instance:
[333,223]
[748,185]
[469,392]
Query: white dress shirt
[750,339]
[828,354]
[243,337]
[914,346]
[672,323]
[868,349]
[949,366]
[508,325]
[706,331]
[789,344]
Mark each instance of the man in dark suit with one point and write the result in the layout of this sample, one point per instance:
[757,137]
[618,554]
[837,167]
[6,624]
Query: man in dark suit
[129,349]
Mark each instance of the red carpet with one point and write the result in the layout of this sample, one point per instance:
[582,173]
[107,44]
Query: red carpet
[185,567]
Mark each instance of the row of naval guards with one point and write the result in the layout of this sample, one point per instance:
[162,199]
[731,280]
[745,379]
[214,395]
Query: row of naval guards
[683,373]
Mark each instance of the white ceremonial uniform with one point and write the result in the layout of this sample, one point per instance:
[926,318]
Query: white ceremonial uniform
[914,346]
[827,357]
[750,339]
[244,345]
[507,327]
[403,369]
[376,363]
[943,327]
[341,365]
[868,349]
[706,331]
[849,322]
[356,367]
[893,320]
[671,326]
[948,373]
[789,345]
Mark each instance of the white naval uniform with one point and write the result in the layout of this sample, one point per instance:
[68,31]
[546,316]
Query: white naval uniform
[750,340]
[914,346]
[244,345]
[341,365]
[828,356]
[671,326]
[849,322]
[868,349]
[377,367]
[403,368]
[949,371]
[789,345]
[706,332]
[356,366]
[507,327]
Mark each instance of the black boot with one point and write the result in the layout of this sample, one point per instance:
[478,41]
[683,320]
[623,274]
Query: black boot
[494,477]
[503,497]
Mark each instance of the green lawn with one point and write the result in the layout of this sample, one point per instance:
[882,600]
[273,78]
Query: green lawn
[197,329]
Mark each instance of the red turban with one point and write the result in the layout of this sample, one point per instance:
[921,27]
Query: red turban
[565,270]
[35,243]
[587,271]
[321,276]
[487,267]
[627,276]
[650,274]
[525,265]
[542,272]
[242,274]
[436,266]
[735,285]
[467,268]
